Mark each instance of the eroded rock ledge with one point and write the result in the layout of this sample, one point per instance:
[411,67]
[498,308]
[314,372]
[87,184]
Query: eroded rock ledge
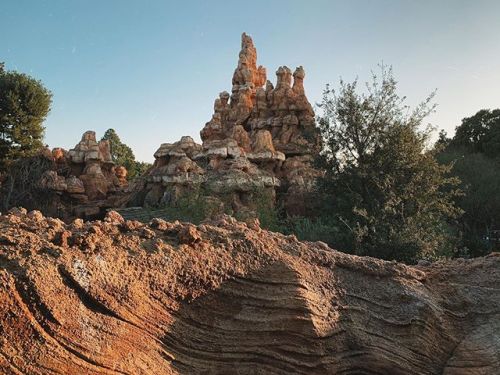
[121,297]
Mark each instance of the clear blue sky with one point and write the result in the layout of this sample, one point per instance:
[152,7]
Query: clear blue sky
[152,69]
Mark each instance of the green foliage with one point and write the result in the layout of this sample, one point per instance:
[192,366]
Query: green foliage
[124,156]
[24,105]
[386,192]
[141,167]
[192,206]
[475,154]
[265,209]
[442,142]
[479,134]
[22,187]
[323,229]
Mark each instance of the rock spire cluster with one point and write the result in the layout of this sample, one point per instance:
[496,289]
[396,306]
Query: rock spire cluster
[84,179]
[261,137]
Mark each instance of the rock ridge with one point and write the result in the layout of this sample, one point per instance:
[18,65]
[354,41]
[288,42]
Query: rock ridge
[123,297]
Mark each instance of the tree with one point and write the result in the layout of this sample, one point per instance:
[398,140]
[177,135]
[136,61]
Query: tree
[382,185]
[123,155]
[141,167]
[479,133]
[475,153]
[24,105]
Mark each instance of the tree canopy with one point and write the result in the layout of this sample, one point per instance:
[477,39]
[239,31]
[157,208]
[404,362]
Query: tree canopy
[24,106]
[123,154]
[384,189]
[474,151]
[479,133]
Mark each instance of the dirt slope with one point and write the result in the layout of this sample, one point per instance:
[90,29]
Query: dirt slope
[118,297]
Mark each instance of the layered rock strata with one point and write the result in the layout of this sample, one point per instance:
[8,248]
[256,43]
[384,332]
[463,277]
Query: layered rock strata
[122,297]
[260,138]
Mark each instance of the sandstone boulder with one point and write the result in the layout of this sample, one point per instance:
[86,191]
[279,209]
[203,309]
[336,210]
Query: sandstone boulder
[121,175]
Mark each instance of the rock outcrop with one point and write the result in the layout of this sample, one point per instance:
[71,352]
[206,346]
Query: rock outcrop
[121,297]
[260,138]
[84,179]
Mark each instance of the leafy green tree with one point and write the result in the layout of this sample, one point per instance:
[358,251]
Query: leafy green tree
[24,105]
[141,167]
[120,152]
[123,155]
[443,141]
[382,186]
[479,133]
[475,153]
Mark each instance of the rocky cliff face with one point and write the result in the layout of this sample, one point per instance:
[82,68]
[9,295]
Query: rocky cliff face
[121,297]
[84,179]
[260,138]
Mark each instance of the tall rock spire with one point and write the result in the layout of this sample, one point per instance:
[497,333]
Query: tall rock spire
[247,72]
[256,105]
[260,136]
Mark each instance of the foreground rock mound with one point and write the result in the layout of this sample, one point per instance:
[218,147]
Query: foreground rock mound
[121,297]
[261,138]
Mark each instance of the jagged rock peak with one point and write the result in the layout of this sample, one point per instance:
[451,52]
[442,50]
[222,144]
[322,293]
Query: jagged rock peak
[259,136]
[247,72]
[256,104]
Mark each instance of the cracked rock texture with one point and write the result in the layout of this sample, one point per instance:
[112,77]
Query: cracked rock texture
[122,297]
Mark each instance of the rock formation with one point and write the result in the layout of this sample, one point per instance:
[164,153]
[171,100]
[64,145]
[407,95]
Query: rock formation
[121,297]
[260,137]
[84,177]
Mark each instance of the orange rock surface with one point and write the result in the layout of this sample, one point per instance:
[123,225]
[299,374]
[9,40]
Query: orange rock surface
[121,297]
[84,180]
[256,125]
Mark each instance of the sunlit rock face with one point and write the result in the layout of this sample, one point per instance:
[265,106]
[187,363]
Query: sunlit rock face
[85,179]
[261,138]
[123,297]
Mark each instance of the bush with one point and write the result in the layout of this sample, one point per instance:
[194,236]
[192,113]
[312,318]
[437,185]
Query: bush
[22,184]
[316,229]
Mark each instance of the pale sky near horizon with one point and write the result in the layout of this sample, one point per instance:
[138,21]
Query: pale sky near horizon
[151,69]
